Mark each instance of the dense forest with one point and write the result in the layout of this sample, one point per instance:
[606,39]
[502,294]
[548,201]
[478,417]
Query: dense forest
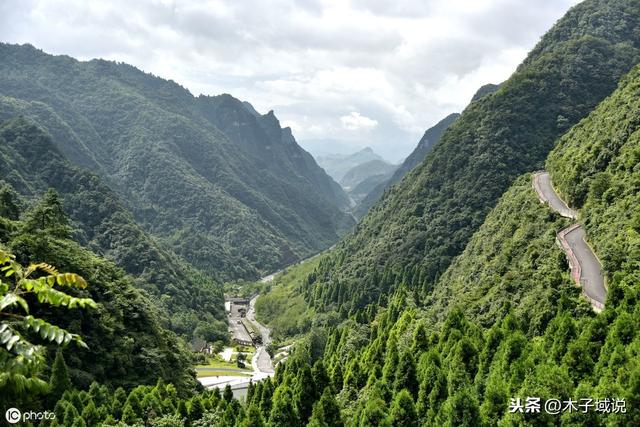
[125,343]
[505,320]
[428,219]
[123,207]
[188,301]
[224,187]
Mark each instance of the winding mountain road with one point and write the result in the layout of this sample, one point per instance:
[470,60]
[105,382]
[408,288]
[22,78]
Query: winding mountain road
[585,266]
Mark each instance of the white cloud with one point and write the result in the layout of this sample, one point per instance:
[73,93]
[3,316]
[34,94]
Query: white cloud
[402,65]
[355,121]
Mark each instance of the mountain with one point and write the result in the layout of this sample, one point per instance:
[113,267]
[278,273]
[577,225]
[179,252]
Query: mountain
[31,163]
[338,165]
[216,197]
[505,320]
[127,339]
[415,231]
[368,184]
[361,179]
[485,90]
[426,143]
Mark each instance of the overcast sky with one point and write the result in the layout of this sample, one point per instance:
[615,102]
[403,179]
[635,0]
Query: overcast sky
[343,74]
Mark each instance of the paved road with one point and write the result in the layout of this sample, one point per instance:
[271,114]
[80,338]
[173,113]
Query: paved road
[591,276]
[261,362]
[546,192]
[574,242]
[238,331]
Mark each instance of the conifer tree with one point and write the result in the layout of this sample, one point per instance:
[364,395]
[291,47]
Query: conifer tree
[79,422]
[59,381]
[70,415]
[48,215]
[253,418]
[374,414]
[8,203]
[90,414]
[117,405]
[283,413]
[326,411]
[196,410]
[406,377]
[305,393]
[403,411]
[129,416]
[228,394]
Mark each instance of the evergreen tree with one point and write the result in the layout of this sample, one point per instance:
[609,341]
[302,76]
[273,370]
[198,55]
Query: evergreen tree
[182,409]
[374,415]
[403,411]
[8,203]
[48,215]
[461,409]
[228,394]
[406,377]
[79,422]
[99,394]
[196,409]
[320,376]
[90,414]
[253,418]
[117,405]
[129,415]
[305,393]
[326,411]
[70,415]
[76,401]
[59,381]
[283,413]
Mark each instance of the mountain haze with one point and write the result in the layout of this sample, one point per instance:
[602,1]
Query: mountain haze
[426,143]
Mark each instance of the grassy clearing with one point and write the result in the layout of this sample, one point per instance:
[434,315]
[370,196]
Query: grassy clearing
[283,309]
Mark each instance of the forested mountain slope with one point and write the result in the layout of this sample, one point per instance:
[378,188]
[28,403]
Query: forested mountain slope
[426,143]
[31,163]
[505,320]
[207,193]
[416,230]
[273,148]
[127,344]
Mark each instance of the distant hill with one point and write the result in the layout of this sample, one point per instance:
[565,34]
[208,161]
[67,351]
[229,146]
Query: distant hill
[426,143]
[224,187]
[338,165]
[359,180]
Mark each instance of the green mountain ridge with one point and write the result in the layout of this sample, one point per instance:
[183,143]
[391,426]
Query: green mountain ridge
[193,187]
[420,227]
[338,165]
[505,320]
[128,343]
[30,163]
